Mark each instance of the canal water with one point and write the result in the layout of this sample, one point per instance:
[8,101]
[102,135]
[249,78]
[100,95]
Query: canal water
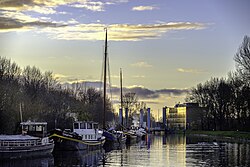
[156,150]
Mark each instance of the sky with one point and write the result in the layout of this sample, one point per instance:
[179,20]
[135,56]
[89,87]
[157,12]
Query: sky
[164,47]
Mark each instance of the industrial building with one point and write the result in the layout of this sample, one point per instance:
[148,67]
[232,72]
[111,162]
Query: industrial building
[185,116]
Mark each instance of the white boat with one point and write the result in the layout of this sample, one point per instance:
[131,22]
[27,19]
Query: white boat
[137,130]
[140,132]
[85,136]
[32,142]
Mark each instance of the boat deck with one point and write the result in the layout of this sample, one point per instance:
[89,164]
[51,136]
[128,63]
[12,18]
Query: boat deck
[17,137]
[18,141]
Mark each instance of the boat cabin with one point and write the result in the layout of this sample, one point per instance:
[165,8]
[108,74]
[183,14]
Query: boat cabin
[38,129]
[88,130]
[33,134]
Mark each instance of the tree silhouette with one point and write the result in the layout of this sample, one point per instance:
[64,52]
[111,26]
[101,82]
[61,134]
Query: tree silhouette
[41,98]
[227,100]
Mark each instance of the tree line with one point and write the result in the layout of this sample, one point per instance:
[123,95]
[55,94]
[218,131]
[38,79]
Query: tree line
[33,95]
[227,100]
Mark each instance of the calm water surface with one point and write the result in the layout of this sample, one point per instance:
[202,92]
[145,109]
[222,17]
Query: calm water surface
[179,150]
[156,150]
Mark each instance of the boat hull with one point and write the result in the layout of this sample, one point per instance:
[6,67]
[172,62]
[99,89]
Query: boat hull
[63,143]
[114,141]
[28,151]
[131,139]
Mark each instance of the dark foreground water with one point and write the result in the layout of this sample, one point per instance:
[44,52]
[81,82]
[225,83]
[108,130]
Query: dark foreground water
[156,150]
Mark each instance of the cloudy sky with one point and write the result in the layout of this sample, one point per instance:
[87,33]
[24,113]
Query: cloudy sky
[164,47]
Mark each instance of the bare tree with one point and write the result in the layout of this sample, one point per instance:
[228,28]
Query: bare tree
[129,100]
[242,59]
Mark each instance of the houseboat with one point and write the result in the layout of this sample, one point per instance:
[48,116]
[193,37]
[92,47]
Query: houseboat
[85,136]
[32,142]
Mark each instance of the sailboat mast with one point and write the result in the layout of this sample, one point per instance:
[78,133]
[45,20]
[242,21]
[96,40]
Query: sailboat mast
[21,112]
[105,78]
[121,87]
[121,96]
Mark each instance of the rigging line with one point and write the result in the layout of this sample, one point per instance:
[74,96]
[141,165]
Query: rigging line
[110,85]
[101,80]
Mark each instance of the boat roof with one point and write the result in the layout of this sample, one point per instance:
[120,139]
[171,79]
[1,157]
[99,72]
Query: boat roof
[17,137]
[92,122]
[33,123]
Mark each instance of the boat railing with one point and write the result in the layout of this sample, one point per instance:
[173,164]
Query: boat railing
[20,143]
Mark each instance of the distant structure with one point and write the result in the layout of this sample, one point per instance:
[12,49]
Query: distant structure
[185,116]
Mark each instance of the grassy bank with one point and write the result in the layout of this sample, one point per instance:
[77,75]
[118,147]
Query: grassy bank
[232,134]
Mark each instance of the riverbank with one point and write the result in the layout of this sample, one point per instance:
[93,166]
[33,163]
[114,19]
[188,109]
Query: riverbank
[223,135]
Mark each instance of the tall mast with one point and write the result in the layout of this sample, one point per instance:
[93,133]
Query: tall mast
[105,78]
[121,97]
[21,114]
[121,87]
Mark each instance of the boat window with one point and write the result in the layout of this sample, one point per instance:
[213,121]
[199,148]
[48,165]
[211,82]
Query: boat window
[95,126]
[89,126]
[32,128]
[25,128]
[76,126]
[82,125]
[39,128]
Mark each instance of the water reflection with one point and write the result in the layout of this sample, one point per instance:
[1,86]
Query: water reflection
[208,152]
[155,150]
[77,158]
[151,152]
[46,161]
[179,150]
[173,150]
